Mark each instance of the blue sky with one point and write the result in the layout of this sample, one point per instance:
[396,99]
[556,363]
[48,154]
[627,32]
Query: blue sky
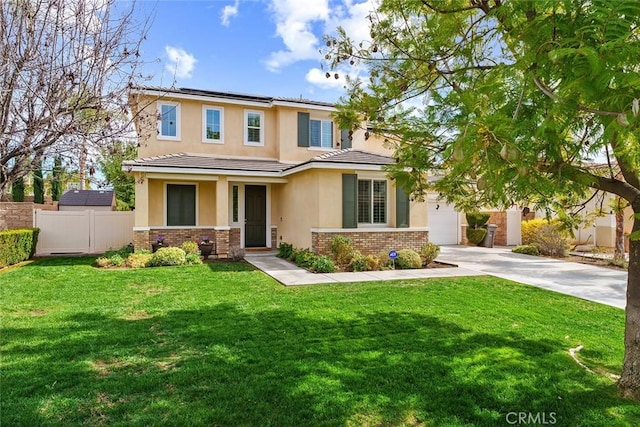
[262,47]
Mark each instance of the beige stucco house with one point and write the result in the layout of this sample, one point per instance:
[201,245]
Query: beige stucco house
[250,172]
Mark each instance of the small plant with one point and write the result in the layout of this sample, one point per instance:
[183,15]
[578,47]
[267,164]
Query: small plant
[304,258]
[323,264]
[358,262]
[167,256]
[160,240]
[407,259]
[429,252]
[476,235]
[123,252]
[103,262]
[205,240]
[117,260]
[342,250]
[526,250]
[190,248]
[285,250]
[138,259]
[192,259]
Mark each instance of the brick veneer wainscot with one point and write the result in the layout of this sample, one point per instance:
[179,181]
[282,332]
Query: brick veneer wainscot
[371,242]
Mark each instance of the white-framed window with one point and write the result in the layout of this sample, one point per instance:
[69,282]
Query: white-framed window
[321,133]
[372,201]
[168,120]
[253,127]
[212,124]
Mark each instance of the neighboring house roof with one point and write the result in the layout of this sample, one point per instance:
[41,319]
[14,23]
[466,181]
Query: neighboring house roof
[87,198]
[267,100]
[190,163]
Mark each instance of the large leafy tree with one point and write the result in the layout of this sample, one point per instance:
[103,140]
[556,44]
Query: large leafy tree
[110,163]
[509,102]
[67,67]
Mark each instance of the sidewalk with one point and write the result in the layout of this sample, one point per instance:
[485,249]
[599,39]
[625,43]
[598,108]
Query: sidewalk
[588,282]
[289,274]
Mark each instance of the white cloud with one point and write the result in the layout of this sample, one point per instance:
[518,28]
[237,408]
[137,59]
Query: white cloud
[318,77]
[229,12]
[181,62]
[294,25]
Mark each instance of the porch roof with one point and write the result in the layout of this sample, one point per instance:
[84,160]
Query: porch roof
[191,163]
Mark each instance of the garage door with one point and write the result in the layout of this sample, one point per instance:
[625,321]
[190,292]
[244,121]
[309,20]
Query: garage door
[444,224]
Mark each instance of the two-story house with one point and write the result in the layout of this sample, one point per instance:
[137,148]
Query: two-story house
[252,171]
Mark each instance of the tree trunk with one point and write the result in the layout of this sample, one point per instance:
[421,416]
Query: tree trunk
[629,383]
[618,254]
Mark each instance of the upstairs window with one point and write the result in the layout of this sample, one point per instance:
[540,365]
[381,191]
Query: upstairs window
[212,118]
[169,120]
[254,128]
[321,133]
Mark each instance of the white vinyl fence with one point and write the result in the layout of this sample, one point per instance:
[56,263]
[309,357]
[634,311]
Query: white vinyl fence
[66,232]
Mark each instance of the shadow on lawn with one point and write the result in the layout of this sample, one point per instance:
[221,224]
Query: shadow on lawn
[223,366]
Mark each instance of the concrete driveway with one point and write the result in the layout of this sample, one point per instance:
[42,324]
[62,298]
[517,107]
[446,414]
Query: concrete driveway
[588,282]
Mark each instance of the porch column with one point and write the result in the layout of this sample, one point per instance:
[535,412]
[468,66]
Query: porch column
[222,217]
[141,213]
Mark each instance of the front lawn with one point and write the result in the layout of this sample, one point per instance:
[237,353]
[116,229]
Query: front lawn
[223,344]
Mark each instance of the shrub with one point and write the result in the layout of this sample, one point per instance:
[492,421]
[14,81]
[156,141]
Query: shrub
[373,262]
[358,262]
[547,236]
[476,235]
[408,258]
[192,258]
[526,250]
[323,264]
[123,252]
[117,260]
[552,241]
[17,245]
[429,252]
[103,262]
[167,256]
[285,250]
[342,250]
[477,219]
[304,258]
[190,247]
[138,259]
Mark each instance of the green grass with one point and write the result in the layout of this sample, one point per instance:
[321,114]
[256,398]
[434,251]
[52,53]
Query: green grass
[223,344]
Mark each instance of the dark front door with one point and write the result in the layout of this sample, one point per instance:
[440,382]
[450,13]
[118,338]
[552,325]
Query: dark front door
[255,208]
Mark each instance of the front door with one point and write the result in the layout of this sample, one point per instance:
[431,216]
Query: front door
[255,205]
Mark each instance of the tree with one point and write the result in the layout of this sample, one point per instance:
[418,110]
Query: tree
[60,60]
[17,190]
[511,102]
[56,179]
[110,163]
[38,185]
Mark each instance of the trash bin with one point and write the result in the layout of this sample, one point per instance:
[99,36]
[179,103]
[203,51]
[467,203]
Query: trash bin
[487,242]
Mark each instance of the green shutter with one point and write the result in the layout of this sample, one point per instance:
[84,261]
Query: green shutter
[303,129]
[349,207]
[402,208]
[345,142]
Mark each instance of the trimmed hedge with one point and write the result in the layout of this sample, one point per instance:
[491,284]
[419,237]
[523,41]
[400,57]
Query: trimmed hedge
[17,245]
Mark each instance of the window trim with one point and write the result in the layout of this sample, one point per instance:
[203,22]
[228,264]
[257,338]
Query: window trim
[206,140]
[166,200]
[321,147]
[160,136]
[372,205]
[246,128]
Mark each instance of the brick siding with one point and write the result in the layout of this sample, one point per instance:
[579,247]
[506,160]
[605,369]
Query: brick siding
[15,215]
[371,242]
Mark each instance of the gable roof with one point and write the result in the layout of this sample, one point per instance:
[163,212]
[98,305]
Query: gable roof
[87,198]
[192,163]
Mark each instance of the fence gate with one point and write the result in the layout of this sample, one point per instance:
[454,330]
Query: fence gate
[90,231]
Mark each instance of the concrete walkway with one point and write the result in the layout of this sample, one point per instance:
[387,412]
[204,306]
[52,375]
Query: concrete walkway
[589,282]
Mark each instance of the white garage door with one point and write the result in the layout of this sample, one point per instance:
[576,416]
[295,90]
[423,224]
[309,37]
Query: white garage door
[444,223]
